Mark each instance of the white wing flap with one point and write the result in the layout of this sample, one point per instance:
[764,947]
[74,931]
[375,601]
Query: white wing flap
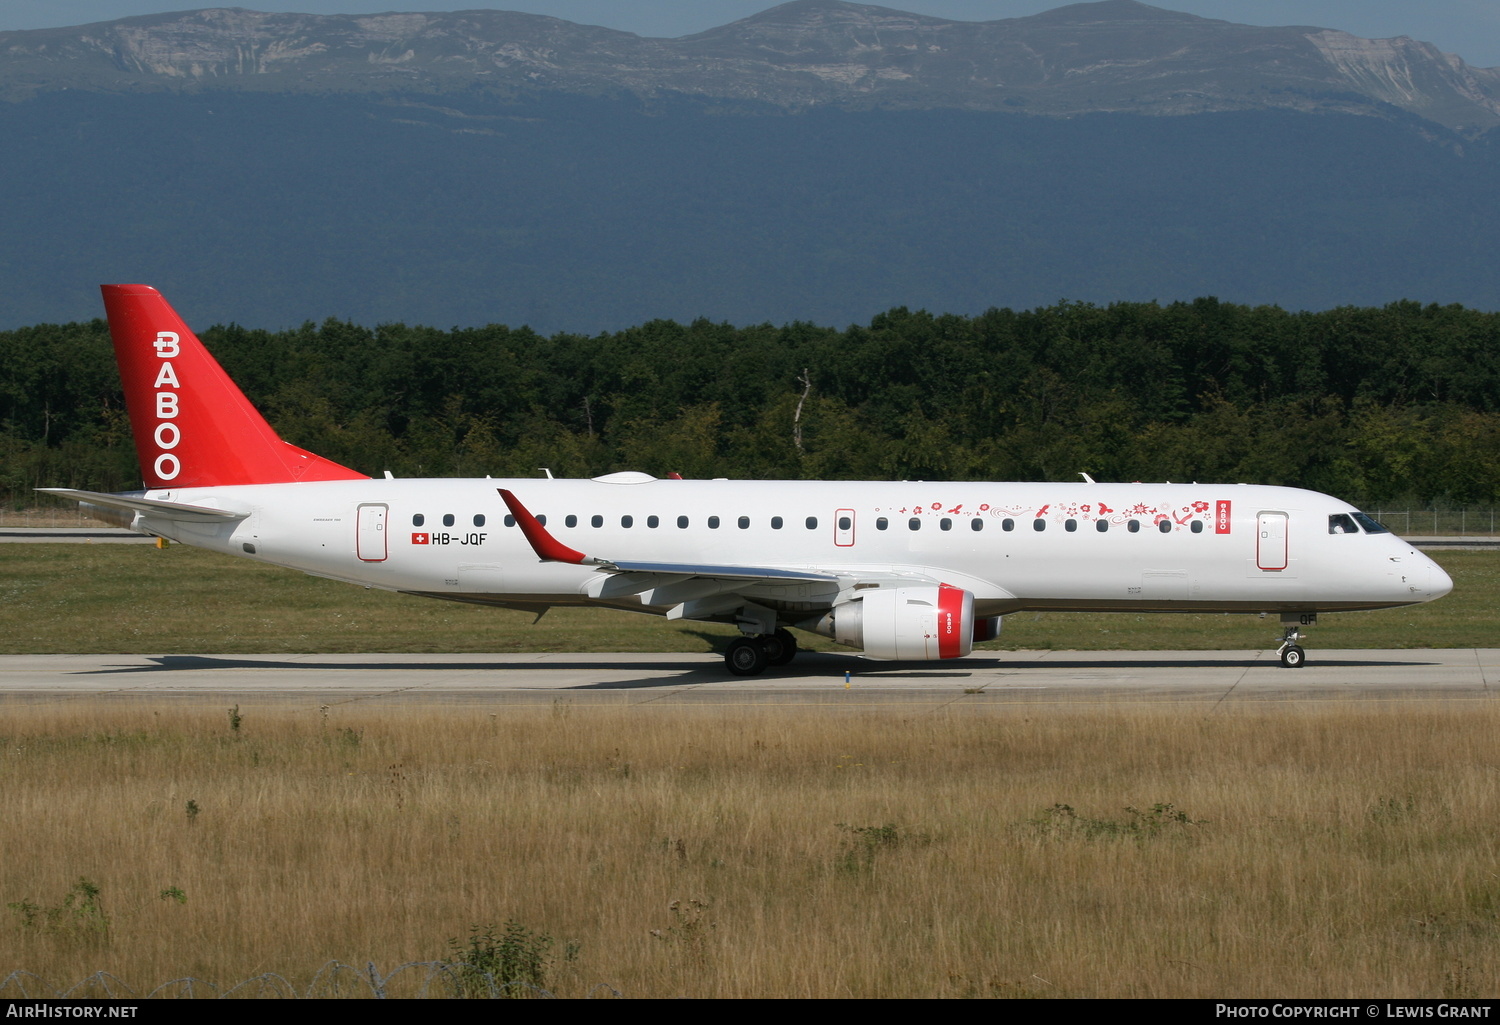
[675,582]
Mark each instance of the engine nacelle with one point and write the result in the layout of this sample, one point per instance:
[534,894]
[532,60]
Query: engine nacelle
[905,624]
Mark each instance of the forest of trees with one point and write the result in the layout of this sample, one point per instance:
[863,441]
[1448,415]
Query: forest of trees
[1374,405]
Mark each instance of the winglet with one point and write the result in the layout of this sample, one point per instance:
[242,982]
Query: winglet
[547,547]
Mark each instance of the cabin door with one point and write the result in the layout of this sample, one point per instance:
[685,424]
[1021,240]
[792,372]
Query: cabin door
[371,543]
[1270,541]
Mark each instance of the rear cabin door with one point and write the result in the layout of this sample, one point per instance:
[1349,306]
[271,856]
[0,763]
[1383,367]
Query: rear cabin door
[1270,541]
[371,543]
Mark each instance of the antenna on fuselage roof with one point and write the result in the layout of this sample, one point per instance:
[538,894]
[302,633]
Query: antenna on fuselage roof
[547,471]
[1087,478]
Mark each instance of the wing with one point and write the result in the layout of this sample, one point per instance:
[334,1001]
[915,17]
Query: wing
[748,593]
[692,590]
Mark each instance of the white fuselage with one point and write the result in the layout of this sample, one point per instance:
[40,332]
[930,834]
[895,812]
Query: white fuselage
[1253,548]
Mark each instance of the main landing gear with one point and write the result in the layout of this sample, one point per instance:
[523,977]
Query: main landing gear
[749,656]
[1292,655]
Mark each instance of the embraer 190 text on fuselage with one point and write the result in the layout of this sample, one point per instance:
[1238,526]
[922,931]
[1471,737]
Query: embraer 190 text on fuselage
[905,570]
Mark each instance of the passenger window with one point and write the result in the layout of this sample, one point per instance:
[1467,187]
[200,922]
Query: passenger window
[1340,523]
[744,522]
[1134,526]
[479,519]
[914,524]
[570,520]
[682,522]
[713,523]
[447,519]
[976,524]
[1197,527]
[775,522]
[845,523]
[1007,524]
[1101,525]
[418,520]
[653,522]
[1038,524]
[1070,526]
[945,524]
[812,523]
[882,523]
[510,521]
[1165,526]
[542,519]
[627,522]
[596,520]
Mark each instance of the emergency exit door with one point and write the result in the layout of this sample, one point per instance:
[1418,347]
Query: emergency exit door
[843,528]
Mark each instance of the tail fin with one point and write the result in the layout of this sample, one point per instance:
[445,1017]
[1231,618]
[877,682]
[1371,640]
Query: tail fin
[193,427]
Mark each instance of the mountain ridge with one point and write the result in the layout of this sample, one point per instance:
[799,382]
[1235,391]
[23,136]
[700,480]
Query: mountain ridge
[1115,56]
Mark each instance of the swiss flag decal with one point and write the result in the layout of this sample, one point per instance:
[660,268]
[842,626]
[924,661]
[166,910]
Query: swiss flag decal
[421,539]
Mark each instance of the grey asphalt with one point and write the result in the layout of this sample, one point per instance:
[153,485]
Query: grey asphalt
[74,535]
[815,678]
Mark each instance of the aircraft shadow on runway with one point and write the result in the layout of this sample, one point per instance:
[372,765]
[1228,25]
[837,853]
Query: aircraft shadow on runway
[813,667]
[674,674]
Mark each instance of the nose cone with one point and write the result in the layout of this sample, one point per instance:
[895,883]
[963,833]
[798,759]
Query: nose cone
[1439,582]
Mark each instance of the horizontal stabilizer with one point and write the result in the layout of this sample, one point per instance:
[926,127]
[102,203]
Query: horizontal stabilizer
[149,506]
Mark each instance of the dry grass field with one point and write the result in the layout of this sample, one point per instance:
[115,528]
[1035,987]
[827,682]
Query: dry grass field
[1065,850]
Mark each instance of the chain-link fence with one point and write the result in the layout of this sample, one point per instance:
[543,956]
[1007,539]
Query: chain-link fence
[71,515]
[1475,521]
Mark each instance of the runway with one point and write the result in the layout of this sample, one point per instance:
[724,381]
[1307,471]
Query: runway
[1212,677]
[73,536]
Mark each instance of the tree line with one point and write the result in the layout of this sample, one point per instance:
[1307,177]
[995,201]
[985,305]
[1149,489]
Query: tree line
[1372,404]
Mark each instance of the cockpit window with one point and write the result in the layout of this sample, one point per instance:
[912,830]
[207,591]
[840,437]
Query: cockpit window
[1340,523]
[1371,525]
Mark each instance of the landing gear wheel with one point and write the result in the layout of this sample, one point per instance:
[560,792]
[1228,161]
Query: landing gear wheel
[746,657]
[1292,655]
[781,647]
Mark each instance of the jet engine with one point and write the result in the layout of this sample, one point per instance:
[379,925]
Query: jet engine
[906,623]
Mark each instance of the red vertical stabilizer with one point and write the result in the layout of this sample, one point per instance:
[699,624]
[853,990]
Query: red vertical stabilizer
[193,427]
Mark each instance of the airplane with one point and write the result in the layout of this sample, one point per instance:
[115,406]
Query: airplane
[904,570]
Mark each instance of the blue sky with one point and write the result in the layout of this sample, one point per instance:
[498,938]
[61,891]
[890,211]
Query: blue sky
[1469,28]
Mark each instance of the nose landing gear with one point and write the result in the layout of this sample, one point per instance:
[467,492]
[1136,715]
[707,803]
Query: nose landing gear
[1292,655]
